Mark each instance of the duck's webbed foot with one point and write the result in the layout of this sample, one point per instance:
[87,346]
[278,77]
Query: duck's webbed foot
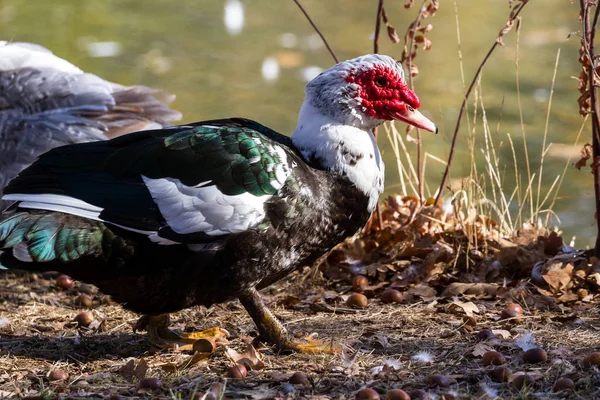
[162,336]
[272,331]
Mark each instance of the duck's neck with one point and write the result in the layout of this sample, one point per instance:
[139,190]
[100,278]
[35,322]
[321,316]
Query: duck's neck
[347,150]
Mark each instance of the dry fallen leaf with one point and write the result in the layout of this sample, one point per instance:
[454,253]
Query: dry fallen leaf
[557,274]
[130,370]
[470,289]
[250,358]
[467,307]
[481,348]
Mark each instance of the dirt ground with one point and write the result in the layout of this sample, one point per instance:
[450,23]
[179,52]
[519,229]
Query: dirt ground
[386,346]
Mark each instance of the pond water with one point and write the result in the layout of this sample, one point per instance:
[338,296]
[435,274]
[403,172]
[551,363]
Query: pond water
[252,58]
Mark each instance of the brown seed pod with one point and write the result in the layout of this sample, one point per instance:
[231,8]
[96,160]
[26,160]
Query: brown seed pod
[523,380]
[83,300]
[493,358]
[485,334]
[396,394]
[359,283]
[438,380]
[299,378]
[238,371]
[512,312]
[150,383]
[501,374]
[367,394]
[591,360]
[65,282]
[391,296]
[535,355]
[58,375]
[204,345]
[357,300]
[563,384]
[84,318]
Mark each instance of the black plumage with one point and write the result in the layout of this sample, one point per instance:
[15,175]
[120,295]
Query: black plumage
[310,214]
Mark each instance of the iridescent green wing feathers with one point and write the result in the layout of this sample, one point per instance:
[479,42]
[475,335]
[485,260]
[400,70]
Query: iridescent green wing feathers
[188,183]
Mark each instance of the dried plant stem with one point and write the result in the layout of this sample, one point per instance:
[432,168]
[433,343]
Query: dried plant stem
[523,133]
[317,30]
[513,16]
[589,33]
[544,149]
[376,50]
[415,24]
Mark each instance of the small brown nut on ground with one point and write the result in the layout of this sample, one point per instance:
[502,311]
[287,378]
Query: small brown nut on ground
[493,358]
[501,374]
[535,355]
[367,394]
[58,375]
[299,378]
[523,380]
[391,296]
[563,384]
[485,334]
[64,282]
[359,282]
[438,380]
[238,371]
[397,394]
[357,300]
[591,360]
[512,312]
[83,300]
[84,318]
[150,383]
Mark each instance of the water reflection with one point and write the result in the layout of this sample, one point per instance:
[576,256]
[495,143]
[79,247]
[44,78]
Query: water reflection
[234,17]
[270,69]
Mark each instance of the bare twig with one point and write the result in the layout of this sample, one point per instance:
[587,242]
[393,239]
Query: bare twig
[377,27]
[376,50]
[317,30]
[590,91]
[513,16]
[409,64]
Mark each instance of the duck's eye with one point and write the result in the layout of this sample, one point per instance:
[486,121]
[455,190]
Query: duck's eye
[381,81]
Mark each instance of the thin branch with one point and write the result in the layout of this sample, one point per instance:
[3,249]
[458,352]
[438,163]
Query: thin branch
[317,30]
[376,50]
[415,24]
[513,17]
[377,27]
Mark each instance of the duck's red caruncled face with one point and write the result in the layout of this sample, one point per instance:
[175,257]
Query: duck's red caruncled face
[384,95]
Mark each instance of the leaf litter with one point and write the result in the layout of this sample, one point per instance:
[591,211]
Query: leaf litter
[456,274]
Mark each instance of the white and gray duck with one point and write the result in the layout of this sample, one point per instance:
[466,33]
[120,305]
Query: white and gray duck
[46,102]
[203,213]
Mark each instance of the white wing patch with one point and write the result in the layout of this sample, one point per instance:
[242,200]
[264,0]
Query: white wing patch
[202,208]
[205,209]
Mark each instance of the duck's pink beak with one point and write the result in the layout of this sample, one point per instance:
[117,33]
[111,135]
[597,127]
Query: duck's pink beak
[415,118]
[401,111]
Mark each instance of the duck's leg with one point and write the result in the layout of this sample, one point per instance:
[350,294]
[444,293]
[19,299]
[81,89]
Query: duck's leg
[162,336]
[271,330]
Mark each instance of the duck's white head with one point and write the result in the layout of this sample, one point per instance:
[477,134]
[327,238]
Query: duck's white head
[341,107]
[365,92]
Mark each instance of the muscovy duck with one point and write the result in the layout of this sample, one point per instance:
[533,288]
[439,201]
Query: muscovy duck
[46,102]
[202,213]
